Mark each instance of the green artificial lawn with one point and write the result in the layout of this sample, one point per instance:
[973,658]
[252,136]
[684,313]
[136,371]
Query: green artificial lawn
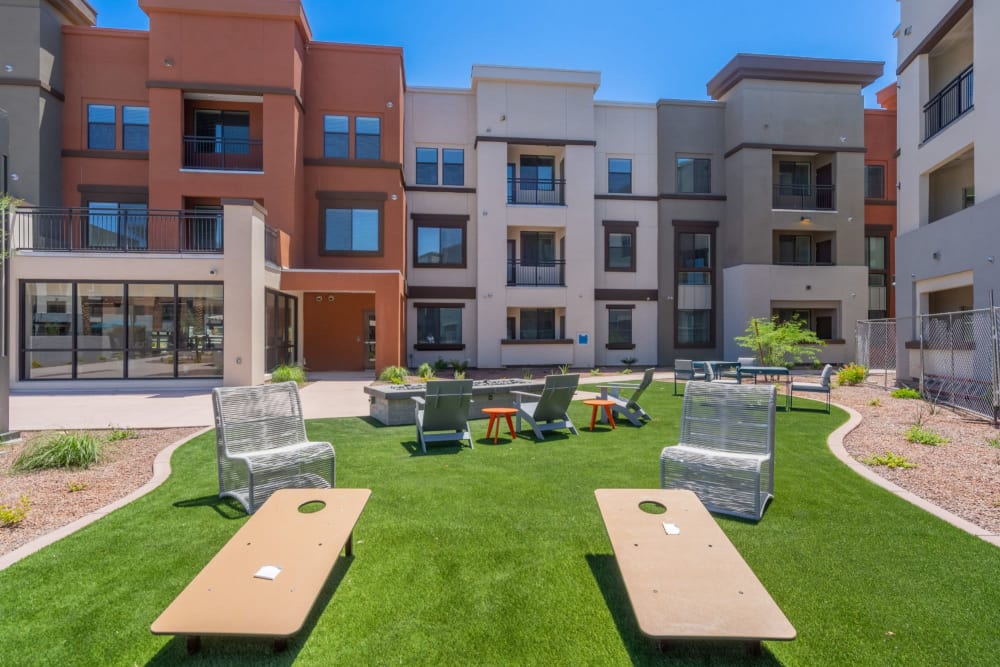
[498,555]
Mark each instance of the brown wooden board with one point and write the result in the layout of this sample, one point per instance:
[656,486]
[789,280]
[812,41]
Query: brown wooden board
[692,585]
[225,598]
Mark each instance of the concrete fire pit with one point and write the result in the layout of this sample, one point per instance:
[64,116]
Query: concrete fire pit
[391,404]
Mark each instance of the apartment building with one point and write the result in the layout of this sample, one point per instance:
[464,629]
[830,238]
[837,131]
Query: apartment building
[532,222]
[880,203]
[226,195]
[949,162]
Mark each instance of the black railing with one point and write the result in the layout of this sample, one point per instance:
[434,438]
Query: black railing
[210,153]
[116,230]
[271,246]
[951,102]
[536,272]
[804,197]
[543,191]
[780,262]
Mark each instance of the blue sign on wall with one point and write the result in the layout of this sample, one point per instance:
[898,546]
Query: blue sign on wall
[583,339]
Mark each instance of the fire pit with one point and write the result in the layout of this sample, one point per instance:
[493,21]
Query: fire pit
[391,404]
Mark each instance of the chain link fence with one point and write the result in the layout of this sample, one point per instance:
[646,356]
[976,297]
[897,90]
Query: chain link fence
[953,358]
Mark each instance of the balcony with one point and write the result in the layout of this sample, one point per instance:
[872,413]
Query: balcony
[121,230]
[949,104]
[804,197]
[536,191]
[217,154]
[536,273]
[272,246]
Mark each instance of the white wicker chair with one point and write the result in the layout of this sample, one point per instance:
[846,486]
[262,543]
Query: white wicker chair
[261,444]
[726,449]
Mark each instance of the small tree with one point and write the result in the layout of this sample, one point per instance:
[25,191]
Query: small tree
[776,343]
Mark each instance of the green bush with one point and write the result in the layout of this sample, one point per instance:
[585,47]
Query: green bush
[905,392]
[923,436]
[62,450]
[875,402]
[440,365]
[851,374]
[286,373]
[595,371]
[628,361]
[121,433]
[890,460]
[563,369]
[993,442]
[394,374]
[425,371]
[11,515]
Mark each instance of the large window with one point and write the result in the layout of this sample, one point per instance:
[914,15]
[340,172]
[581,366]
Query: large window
[113,330]
[222,131]
[619,245]
[538,172]
[619,176]
[794,178]
[439,241]
[352,230]
[694,287]
[694,175]
[427,166]
[135,128]
[877,259]
[620,327]
[367,138]
[336,142]
[439,325]
[874,181]
[117,226]
[538,324]
[101,127]
[280,317]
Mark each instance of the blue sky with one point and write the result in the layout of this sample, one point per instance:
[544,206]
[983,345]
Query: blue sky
[644,49]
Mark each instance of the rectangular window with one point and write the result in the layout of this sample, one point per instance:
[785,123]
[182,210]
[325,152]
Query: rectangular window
[875,253]
[794,178]
[117,226]
[335,136]
[968,197]
[795,249]
[427,166]
[619,176]
[439,326]
[439,241]
[538,172]
[619,246]
[619,326]
[222,131]
[101,127]
[367,138]
[135,128]
[280,317]
[694,328]
[874,181]
[538,324]
[694,175]
[351,230]
[452,166]
[821,320]
[694,288]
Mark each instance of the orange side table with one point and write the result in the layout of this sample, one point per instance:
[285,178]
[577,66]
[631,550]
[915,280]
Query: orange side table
[597,404]
[495,415]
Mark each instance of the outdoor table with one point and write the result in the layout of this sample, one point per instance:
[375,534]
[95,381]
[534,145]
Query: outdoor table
[718,366]
[495,415]
[766,371]
[597,404]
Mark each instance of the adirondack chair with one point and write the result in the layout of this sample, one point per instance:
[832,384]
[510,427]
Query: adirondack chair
[629,407]
[443,414]
[548,411]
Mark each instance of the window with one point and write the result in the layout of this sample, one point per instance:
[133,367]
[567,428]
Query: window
[135,128]
[439,325]
[694,175]
[619,175]
[222,131]
[538,324]
[280,317]
[538,172]
[367,138]
[875,253]
[874,181]
[439,241]
[794,178]
[876,258]
[427,166]
[820,320]
[117,226]
[694,286]
[453,166]
[335,136]
[795,249]
[620,326]
[968,197]
[619,246]
[352,230]
[101,127]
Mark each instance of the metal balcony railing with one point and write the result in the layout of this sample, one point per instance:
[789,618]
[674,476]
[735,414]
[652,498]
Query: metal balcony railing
[804,197]
[123,230]
[951,102]
[541,191]
[536,272]
[211,154]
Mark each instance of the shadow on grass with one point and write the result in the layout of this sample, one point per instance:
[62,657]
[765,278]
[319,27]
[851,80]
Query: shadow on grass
[433,448]
[245,650]
[227,508]
[644,650]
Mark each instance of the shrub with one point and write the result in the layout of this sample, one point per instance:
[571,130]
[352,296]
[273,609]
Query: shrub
[62,450]
[425,371]
[394,374]
[626,371]
[923,436]
[286,373]
[121,433]
[905,392]
[563,369]
[778,343]
[993,442]
[526,374]
[890,460]
[595,371]
[440,364]
[875,402]
[77,486]
[851,374]
[628,361]
[11,515]
[459,368]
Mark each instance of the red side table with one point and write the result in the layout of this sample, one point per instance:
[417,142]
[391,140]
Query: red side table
[495,415]
[597,404]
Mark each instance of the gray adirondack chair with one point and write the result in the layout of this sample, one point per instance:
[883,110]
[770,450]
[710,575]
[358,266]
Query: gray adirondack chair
[629,407]
[548,411]
[443,414]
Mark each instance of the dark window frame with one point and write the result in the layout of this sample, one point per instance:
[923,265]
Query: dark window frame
[272,353]
[351,200]
[105,125]
[696,227]
[624,227]
[811,317]
[358,133]
[438,344]
[706,187]
[448,175]
[883,273]
[623,344]
[537,312]
[425,178]
[615,175]
[870,169]
[427,221]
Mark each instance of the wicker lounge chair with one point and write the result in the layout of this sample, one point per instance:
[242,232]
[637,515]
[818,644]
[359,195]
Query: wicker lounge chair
[444,409]
[261,444]
[548,411]
[629,407]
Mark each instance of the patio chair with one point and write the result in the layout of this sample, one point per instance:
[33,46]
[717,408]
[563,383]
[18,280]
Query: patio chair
[445,409]
[548,411]
[720,378]
[742,361]
[821,387]
[726,449]
[261,444]
[629,407]
[684,370]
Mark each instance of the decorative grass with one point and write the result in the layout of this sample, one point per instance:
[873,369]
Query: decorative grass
[286,373]
[498,556]
[62,450]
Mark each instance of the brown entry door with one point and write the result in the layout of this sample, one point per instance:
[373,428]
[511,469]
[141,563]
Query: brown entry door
[337,328]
